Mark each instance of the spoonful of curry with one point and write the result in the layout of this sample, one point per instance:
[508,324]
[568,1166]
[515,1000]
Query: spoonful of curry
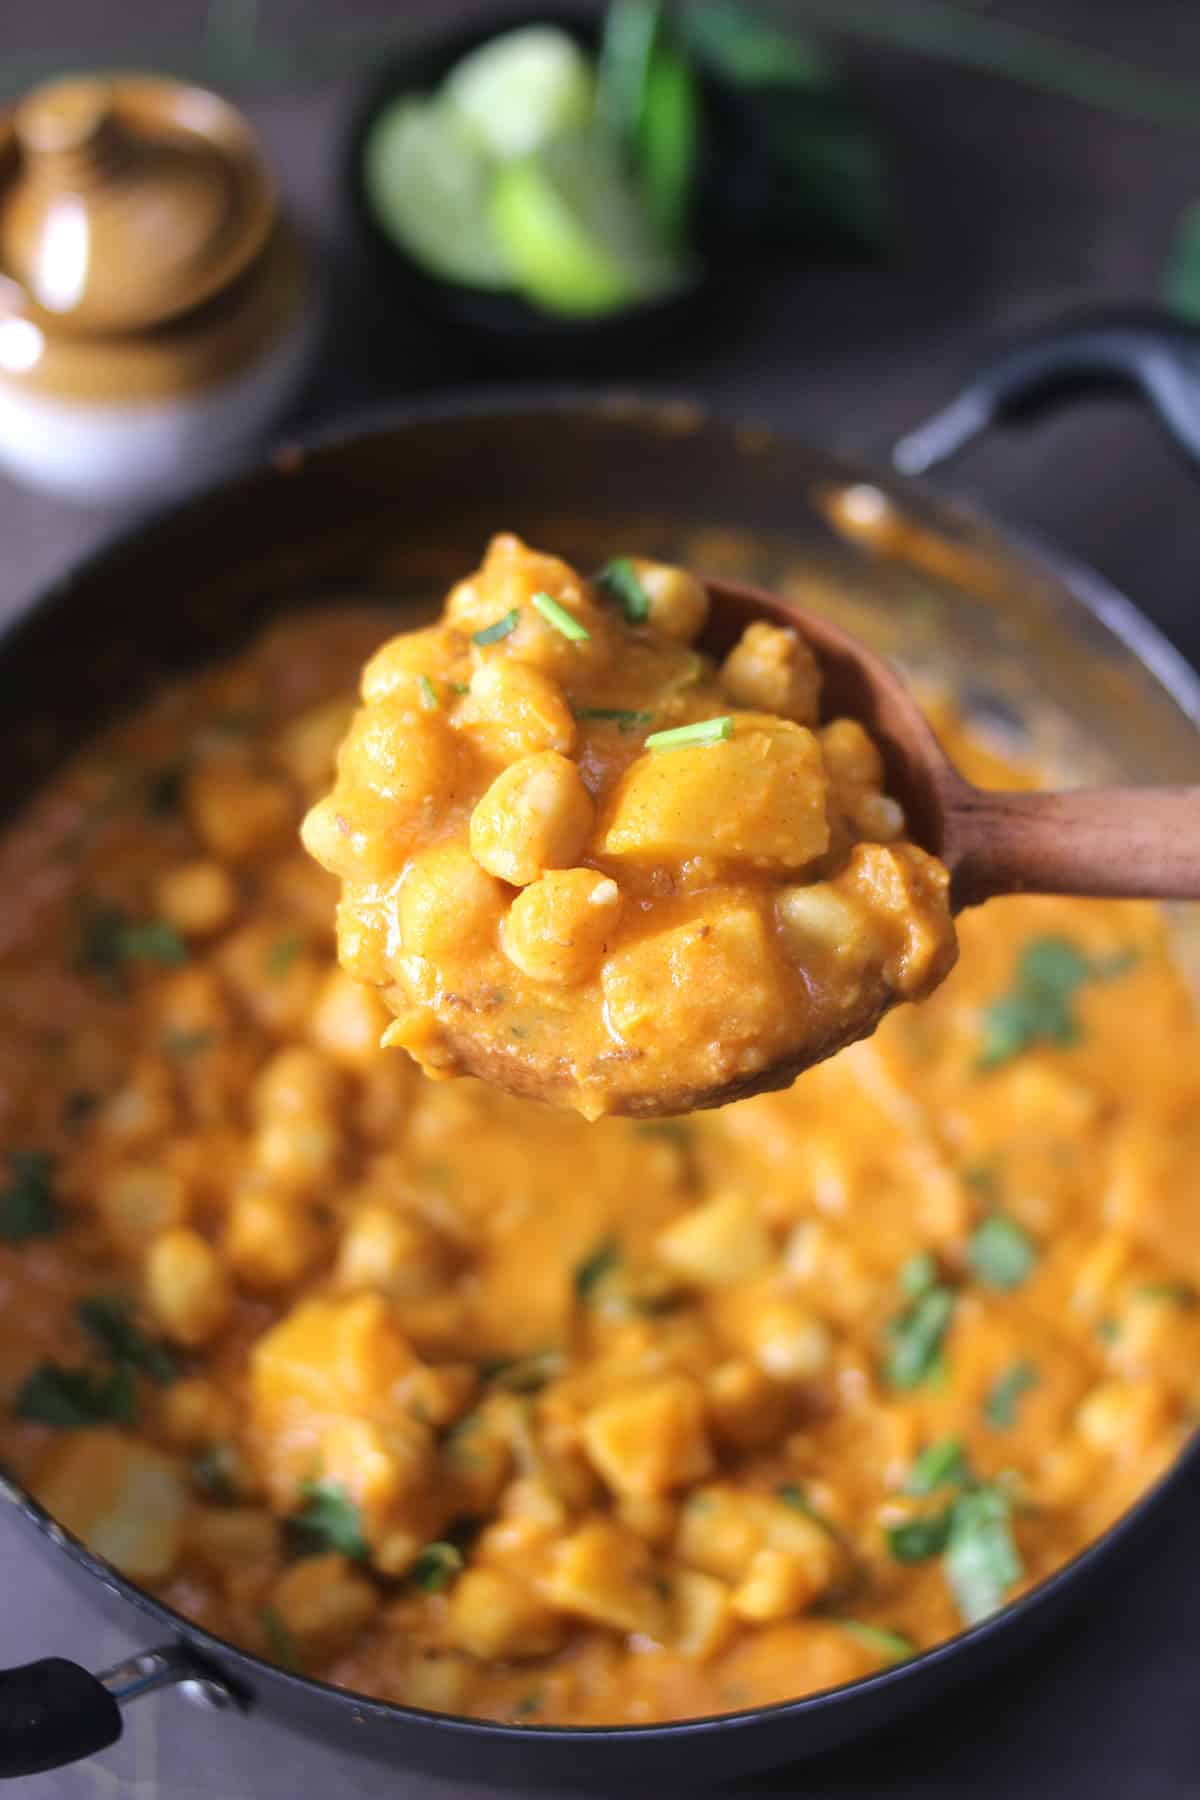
[639,844]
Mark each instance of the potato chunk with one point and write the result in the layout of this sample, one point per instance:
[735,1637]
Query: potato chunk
[758,798]
[126,1501]
[716,1244]
[493,1614]
[323,1603]
[604,1573]
[187,1286]
[535,816]
[650,1439]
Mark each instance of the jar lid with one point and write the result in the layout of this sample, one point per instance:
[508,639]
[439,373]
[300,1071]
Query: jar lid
[126,200]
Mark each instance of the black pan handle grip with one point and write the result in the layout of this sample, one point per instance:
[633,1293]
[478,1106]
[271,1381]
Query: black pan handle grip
[53,1712]
[1143,349]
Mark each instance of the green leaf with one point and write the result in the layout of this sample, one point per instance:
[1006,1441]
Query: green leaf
[283,1645]
[982,1560]
[1179,1293]
[620,581]
[492,634]
[889,1646]
[668,144]
[915,1338]
[1000,1406]
[72,1399]
[745,47]
[1000,1253]
[632,30]
[108,1319]
[1039,1008]
[435,1567]
[916,1540]
[329,1520]
[620,716]
[27,1208]
[1181,272]
[918,1273]
[596,1267]
[108,942]
[941,1464]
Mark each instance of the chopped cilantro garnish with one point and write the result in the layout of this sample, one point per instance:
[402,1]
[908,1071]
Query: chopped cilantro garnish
[492,634]
[620,716]
[429,699]
[328,1520]
[27,1208]
[916,1540]
[282,1644]
[915,1337]
[940,1464]
[109,941]
[108,1319]
[682,737]
[1179,1293]
[281,955]
[621,582]
[1000,1253]
[982,1560]
[435,1567]
[524,1374]
[918,1273]
[1000,1405]
[558,616]
[889,1646]
[72,1399]
[596,1266]
[213,1470]
[1039,1007]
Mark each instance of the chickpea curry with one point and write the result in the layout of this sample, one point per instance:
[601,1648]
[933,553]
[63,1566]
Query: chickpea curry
[459,1401]
[583,861]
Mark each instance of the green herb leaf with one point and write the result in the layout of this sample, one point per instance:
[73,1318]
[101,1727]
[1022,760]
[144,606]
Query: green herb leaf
[915,1338]
[620,716]
[435,1567]
[596,1267]
[916,1540]
[73,1399]
[492,634]
[889,1646]
[941,1464]
[918,1273]
[631,32]
[1108,1330]
[668,144]
[108,942]
[524,1374]
[794,1496]
[27,1208]
[620,581]
[1178,1293]
[704,731]
[982,1560]
[1000,1406]
[329,1520]
[282,1644]
[213,1470]
[526,1706]
[281,955]
[747,48]
[560,618]
[108,1319]
[1000,1253]
[1039,1008]
[429,699]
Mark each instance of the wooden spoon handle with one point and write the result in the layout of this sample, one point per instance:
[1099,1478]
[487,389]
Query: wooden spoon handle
[1120,842]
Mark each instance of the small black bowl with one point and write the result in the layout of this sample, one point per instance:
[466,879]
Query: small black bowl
[508,329]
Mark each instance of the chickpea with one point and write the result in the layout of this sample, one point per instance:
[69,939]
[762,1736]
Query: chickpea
[295,1084]
[448,905]
[399,767]
[347,1022]
[139,1202]
[271,1238]
[323,1603]
[559,927]
[382,1249]
[194,1412]
[397,667]
[235,812]
[878,817]
[197,898]
[772,670]
[514,710]
[537,815]
[308,746]
[851,758]
[678,602]
[187,1286]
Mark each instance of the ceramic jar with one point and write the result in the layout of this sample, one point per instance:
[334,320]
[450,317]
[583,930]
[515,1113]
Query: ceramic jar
[156,306]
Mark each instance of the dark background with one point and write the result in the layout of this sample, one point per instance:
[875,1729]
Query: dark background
[1042,153]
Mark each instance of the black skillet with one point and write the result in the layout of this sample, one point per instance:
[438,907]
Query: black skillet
[396,508]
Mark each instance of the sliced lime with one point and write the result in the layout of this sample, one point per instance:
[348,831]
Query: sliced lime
[429,185]
[522,89]
[571,227]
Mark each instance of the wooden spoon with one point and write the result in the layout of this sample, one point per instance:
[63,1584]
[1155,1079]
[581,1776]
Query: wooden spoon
[1124,842]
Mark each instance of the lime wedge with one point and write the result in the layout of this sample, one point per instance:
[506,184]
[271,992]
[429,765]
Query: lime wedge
[429,185]
[573,231]
[522,89]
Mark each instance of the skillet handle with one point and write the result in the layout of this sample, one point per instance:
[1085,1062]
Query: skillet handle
[53,1712]
[1145,349]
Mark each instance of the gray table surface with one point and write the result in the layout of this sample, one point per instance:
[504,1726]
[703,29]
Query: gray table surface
[1017,203]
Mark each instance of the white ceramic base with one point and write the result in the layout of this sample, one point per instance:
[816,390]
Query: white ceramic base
[101,454]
